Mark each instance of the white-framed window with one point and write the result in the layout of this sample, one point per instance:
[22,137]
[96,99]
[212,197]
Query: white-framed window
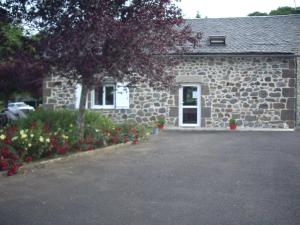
[104,97]
[108,96]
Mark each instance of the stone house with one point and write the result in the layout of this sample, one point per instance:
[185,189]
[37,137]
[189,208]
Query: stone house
[247,68]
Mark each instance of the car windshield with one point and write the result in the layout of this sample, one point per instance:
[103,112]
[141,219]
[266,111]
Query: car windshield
[20,104]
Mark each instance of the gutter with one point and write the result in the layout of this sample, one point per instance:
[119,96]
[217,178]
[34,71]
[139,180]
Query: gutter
[239,54]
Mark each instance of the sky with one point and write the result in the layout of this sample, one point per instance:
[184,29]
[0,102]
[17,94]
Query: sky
[230,8]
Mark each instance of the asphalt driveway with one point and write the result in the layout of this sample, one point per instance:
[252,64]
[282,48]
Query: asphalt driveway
[176,178]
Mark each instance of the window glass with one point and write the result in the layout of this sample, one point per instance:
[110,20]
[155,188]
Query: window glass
[189,97]
[109,95]
[99,96]
[189,116]
[20,104]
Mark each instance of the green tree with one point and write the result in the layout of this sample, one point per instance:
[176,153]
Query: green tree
[258,14]
[20,67]
[198,15]
[285,10]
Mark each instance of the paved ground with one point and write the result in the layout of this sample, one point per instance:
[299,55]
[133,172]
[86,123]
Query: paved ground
[177,178]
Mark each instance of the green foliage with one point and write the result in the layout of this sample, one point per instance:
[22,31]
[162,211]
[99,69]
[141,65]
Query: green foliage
[1,106]
[286,10]
[161,121]
[95,120]
[11,39]
[232,121]
[45,134]
[54,120]
[258,14]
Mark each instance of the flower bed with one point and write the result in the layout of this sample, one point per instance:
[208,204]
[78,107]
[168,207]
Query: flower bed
[46,134]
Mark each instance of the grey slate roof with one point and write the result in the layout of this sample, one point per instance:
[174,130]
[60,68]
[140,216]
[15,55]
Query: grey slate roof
[267,34]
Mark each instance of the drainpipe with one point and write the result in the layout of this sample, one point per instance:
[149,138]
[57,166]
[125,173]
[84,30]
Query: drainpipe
[296,91]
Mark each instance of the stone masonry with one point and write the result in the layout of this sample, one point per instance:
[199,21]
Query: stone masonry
[258,91]
[57,93]
[146,106]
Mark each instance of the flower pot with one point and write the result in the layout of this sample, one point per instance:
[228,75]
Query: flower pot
[155,130]
[161,126]
[232,126]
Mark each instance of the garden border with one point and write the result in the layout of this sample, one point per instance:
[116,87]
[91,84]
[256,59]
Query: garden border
[43,163]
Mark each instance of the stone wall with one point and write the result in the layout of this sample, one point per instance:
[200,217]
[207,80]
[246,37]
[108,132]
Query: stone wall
[258,91]
[57,93]
[146,105]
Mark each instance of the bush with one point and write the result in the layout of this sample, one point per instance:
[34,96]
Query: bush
[54,120]
[49,133]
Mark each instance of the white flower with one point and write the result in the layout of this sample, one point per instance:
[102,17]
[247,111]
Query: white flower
[32,135]
[47,140]
[41,139]
[29,145]
[2,137]
[23,136]
[64,136]
[14,138]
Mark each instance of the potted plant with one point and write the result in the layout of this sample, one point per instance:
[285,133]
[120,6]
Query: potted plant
[232,124]
[155,129]
[161,122]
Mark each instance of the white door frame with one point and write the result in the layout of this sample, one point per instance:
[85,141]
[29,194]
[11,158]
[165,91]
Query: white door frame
[181,106]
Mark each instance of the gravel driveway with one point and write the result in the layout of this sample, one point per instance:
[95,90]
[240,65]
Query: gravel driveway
[176,178]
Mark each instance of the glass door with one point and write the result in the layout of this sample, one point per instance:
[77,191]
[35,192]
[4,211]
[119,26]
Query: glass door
[189,109]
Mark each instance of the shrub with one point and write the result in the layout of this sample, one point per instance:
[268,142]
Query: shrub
[53,120]
[49,133]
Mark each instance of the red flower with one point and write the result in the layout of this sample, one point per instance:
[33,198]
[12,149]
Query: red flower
[99,143]
[126,139]
[62,149]
[4,165]
[10,173]
[28,159]
[136,141]
[33,126]
[5,152]
[14,156]
[14,168]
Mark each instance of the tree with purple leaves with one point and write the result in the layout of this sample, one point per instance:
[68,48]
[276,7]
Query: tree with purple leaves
[130,40]
[21,68]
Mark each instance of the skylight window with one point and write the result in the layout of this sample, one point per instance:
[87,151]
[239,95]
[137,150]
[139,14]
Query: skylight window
[217,40]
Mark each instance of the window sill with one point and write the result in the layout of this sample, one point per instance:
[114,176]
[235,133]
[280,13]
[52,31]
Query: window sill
[103,107]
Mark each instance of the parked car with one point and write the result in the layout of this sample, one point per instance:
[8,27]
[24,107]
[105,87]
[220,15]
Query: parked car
[15,107]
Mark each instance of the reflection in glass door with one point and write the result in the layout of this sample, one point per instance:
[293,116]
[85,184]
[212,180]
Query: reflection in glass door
[189,109]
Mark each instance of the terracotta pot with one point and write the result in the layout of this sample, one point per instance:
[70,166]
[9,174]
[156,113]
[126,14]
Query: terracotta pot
[232,126]
[161,126]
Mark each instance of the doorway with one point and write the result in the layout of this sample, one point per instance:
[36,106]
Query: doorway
[189,105]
